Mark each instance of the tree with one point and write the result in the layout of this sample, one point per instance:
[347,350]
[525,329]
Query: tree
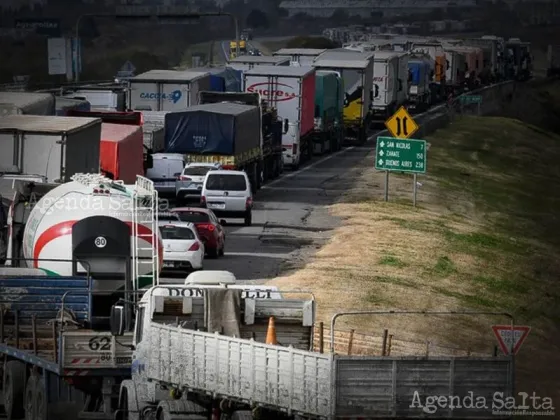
[311,42]
[257,19]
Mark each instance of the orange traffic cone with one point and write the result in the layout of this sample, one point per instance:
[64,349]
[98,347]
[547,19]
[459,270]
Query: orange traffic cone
[271,332]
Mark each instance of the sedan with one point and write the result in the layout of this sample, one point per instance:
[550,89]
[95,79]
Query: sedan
[183,250]
[210,229]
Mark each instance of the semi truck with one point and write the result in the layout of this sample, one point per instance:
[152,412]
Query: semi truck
[226,133]
[51,146]
[247,62]
[390,83]
[357,73]
[56,350]
[201,355]
[121,151]
[271,162]
[291,91]
[328,133]
[436,52]
[300,56]
[27,103]
[456,70]
[166,90]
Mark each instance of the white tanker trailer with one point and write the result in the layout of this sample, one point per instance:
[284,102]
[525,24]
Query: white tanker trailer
[90,226]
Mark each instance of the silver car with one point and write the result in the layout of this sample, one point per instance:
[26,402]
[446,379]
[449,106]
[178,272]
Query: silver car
[189,184]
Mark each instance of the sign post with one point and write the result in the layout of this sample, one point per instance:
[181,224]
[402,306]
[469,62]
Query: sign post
[511,337]
[398,154]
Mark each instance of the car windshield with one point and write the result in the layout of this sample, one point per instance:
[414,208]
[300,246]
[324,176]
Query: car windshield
[194,216]
[226,183]
[197,170]
[178,233]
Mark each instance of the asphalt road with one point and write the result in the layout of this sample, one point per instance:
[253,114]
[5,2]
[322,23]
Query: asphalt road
[289,217]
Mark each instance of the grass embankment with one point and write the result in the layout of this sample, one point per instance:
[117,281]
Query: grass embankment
[484,237]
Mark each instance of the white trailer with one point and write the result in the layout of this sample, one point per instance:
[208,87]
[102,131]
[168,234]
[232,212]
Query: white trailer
[166,90]
[390,83]
[247,62]
[291,91]
[29,103]
[101,98]
[200,353]
[54,147]
[299,56]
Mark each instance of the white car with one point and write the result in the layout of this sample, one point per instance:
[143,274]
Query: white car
[183,250]
[228,194]
[189,183]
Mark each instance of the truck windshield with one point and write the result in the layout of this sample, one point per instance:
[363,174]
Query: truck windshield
[176,233]
[226,183]
[197,170]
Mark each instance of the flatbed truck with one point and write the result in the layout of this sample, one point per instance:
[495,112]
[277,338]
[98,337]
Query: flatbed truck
[186,367]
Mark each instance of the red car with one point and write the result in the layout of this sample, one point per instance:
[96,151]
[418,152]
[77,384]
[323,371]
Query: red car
[208,226]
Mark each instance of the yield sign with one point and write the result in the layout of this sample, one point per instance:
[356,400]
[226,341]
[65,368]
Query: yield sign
[506,339]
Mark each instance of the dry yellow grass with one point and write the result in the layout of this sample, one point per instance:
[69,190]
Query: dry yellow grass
[484,237]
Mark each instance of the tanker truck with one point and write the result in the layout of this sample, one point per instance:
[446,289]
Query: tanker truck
[75,249]
[92,226]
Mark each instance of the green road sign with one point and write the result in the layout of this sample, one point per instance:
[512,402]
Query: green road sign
[400,155]
[470,99]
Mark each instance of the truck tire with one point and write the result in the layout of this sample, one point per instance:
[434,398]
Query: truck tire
[36,404]
[242,415]
[180,410]
[14,389]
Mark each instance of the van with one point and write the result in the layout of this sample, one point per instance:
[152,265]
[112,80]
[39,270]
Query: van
[167,167]
[228,194]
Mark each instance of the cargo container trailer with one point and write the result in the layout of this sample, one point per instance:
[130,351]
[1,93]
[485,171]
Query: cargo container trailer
[166,90]
[420,71]
[121,154]
[222,79]
[291,92]
[271,162]
[474,59]
[390,84]
[491,65]
[64,105]
[436,52]
[27,103]
[299,56]
[357,74]
[50,146]
[248,62]
[520,59]
[328,133]
[228,133]
[102,98]
[456,70]
[186,367]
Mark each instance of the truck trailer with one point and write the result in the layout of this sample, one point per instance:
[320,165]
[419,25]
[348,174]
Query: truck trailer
[209,355]
[328,133]
[421,69]
[65,105]
[54,147]
[271,163]
[56,350]
[248,62]
[390,83]
[166,90]
[291,91]
[357,73]
[299,56]
[122,152]
[27,103]
[226,133]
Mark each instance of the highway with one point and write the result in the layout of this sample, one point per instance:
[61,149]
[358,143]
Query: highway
[290,218]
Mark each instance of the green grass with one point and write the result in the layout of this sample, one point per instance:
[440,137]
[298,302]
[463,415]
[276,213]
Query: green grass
[392,261]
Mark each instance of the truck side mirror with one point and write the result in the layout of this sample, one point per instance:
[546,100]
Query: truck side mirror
[286,126]
[117,320]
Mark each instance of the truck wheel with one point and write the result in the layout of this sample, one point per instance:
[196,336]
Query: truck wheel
[14,389]
[242,415]
[36,404]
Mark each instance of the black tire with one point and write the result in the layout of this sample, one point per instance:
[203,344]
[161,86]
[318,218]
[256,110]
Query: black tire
[223,250]
[214,253]
[14,390]
[242,415]
[248,218]
[30,397]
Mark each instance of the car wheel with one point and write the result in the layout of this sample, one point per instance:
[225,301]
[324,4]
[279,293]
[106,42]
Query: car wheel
[248,218]
[215,253]
[222,249]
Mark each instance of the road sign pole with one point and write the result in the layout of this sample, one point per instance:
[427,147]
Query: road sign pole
[414,190]
[386,185]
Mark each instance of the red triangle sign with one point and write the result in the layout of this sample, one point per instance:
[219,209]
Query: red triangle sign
[504,335]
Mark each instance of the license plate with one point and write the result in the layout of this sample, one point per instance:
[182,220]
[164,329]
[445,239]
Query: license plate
[168,264]
[217,206]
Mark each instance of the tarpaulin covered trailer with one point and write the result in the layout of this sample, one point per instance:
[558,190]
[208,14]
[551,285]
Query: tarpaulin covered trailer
[215,129]
[122,151]
[27,103]
[222,79]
